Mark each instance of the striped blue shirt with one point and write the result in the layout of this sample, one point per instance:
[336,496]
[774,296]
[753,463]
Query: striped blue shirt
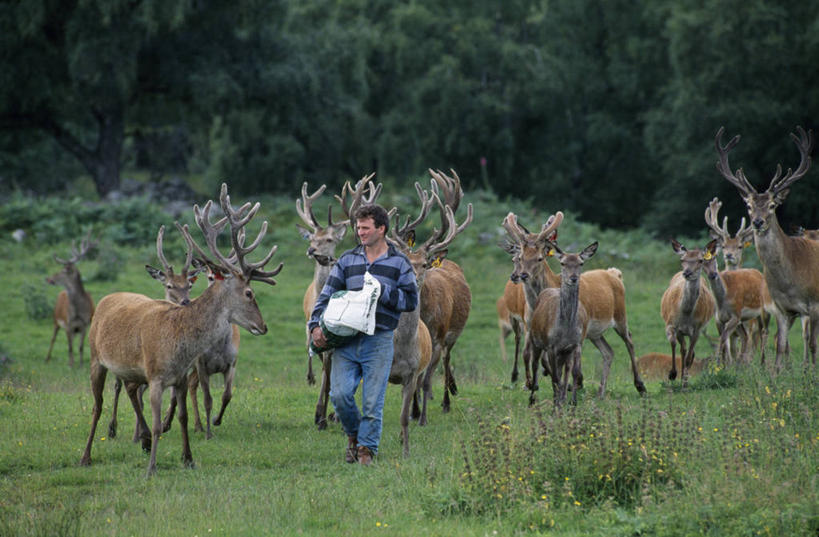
[399,290]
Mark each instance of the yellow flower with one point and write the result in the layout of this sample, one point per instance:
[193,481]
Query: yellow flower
[378,524]
[576,502]
[767,390]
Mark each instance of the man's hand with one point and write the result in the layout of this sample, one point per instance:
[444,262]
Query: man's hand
[318,337]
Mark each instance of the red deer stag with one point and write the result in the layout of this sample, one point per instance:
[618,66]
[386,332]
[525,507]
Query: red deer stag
[741,297]
[74,307]
[686,307]
[789,262]
[177,290]
[445,297]
[559,323]
[323,242]
[511,307]
[731,246]
[142,340]
[602,294]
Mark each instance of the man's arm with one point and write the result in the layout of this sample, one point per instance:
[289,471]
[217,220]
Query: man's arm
[403,296]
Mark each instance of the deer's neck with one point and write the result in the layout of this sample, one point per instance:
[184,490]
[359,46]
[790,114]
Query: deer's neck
[567,310]
[718,289]
[207,316]
[320,275]
[542,278]
[691,293]
[772,252]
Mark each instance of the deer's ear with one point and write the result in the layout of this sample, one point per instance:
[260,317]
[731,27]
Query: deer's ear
[780,196]
[678,248]
[411,238]
[589,251]
[304,232]
[155,273]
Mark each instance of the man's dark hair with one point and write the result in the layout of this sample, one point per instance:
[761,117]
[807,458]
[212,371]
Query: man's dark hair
[377,213]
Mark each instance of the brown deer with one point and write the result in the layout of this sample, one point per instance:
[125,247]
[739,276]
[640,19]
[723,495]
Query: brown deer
[812,234]
[559,324]
[74,307]
[323,242]
[177,290]
[511,307]
[602,294]
[741,297]
[731,246]
[141,340]
[655,365]
[220,359]
[686,307]
[445,297]
[789,263]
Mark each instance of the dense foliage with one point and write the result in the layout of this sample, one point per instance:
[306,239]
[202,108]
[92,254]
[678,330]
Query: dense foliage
[605,109]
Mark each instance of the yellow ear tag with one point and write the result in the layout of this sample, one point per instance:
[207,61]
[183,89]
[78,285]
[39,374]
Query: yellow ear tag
[410,242]
[436,263]
[707,256]
[550,253]
[747,244]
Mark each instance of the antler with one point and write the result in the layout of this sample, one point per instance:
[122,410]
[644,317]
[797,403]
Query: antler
[519,234]
[357,194]
[449,186]
[160,236]
[711,220]
[238,219]
[404,234]
[436,244]
[805,144]
[76,255]
[446,233]
[304,206]
[739,180]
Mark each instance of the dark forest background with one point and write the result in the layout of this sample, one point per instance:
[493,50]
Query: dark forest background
[605,109]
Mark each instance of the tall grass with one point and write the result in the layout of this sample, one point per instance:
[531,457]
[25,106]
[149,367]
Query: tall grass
[735,454]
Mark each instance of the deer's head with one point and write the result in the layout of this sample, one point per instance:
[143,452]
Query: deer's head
[530,250]
[69,273]
[233,272]
[762,205]
[692,261]
[323,239]
[177,286]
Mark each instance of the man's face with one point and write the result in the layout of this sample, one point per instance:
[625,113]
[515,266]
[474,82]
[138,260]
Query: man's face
[367,232]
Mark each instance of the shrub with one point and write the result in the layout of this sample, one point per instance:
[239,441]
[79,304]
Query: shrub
[37,304]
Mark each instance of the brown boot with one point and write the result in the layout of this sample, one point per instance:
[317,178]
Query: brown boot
[351,453]
[365,456]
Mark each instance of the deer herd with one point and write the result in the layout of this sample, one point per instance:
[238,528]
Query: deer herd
[178,342]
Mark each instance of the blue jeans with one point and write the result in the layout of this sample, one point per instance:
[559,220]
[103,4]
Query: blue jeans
[367,358]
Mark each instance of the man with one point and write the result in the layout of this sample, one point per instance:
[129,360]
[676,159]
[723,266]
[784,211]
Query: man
[366,358]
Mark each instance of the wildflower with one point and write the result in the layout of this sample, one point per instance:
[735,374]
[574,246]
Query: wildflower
[576,502]
[767,390]
[378,524]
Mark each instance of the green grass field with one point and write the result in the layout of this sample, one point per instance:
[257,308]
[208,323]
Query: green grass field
[736,454]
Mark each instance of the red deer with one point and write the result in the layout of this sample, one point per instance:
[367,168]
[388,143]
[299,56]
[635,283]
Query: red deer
[731,246]
[559,323]
[141,340]
[445,298]
[511,307]
[789,263]
[177,290]
[655,365]
[686,307]
[602,294]
[74,307]
[741,297]
[323,242]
